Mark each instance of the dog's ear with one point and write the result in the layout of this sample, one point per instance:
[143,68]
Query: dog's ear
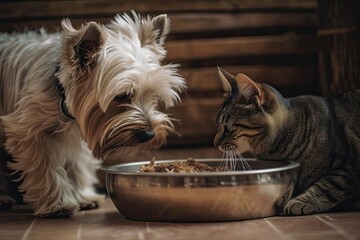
[161,25]
[91,40]
[83,44]
[154,30]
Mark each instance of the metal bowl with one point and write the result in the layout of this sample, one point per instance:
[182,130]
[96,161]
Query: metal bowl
[194,197]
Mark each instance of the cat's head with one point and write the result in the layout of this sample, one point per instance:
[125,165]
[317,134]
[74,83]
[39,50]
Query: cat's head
[250,115]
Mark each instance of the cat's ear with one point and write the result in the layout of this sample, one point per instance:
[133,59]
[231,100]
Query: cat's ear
[228,81]
[248,88]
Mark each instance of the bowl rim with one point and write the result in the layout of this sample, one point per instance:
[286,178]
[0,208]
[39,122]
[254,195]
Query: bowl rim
[291,165]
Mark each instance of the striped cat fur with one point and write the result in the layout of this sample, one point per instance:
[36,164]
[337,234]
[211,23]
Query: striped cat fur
[322,134]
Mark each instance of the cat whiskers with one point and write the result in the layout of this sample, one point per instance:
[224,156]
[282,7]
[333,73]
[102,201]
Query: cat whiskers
[233,160]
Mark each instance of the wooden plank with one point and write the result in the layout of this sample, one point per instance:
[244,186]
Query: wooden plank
[207,79]
[339,49]
[48,9]
[195,23]
[191,23]
[196,116]
[289,43]
[190,141]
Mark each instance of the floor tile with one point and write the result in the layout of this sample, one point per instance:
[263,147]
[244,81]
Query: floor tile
[107,223]
[347,223]
[304,227]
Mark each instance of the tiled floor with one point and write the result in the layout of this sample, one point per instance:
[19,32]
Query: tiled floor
[107,223]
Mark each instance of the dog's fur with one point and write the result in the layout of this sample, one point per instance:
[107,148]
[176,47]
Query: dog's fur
[109,78]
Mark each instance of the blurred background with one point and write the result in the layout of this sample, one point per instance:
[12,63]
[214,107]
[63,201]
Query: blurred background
[297,46]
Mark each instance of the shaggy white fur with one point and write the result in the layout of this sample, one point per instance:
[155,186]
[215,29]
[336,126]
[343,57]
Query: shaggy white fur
[113,83]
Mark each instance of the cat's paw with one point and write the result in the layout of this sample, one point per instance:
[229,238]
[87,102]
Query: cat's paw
[61,213]
[6,202]
[296,207]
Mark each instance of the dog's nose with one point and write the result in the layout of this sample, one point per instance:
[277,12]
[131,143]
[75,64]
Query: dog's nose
[146,135]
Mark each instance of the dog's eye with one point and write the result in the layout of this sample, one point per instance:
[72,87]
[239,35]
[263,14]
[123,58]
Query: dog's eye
[123,98]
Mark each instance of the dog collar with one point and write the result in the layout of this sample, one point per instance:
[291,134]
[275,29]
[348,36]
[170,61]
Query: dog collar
[62,106]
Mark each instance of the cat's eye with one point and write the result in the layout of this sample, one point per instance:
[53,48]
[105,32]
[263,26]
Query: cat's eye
[239,125]
[245,126]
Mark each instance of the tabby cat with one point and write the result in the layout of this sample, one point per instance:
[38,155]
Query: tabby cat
[322,134]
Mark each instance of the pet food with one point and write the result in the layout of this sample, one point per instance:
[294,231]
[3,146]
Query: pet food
[188,166]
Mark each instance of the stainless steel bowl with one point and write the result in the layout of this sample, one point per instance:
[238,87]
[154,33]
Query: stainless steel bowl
[193,197]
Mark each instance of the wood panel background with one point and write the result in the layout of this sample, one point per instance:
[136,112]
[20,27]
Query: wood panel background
[339,48]
[272,41]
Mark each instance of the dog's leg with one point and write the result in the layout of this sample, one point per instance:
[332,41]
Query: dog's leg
[82,172]
[6,201]
[47,188]
[45,184]
[41,165]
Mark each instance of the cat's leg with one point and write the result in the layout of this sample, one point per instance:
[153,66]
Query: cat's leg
[324,194]
[350,204]
[82,172]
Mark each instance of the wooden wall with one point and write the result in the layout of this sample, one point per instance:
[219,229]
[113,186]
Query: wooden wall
[272,41]
[339,48]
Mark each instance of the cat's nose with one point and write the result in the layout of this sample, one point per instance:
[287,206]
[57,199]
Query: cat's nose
[145,135]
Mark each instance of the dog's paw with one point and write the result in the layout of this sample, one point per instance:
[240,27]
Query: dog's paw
[296,207]
[6,202]
[91,201]
[61,213]
[91,197]
[88,205]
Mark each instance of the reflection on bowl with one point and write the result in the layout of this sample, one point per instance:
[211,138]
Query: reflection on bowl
[193,197]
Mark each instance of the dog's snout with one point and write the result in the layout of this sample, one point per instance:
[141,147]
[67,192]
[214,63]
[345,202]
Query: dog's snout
[146,135]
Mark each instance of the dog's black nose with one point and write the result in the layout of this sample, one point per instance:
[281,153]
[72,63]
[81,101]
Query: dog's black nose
[146,135]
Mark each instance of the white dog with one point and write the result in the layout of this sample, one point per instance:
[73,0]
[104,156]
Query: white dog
[69,99]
